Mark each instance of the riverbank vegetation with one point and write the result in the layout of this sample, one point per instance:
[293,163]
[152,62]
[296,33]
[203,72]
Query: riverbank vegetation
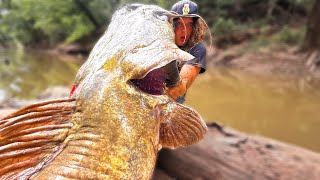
[48,23]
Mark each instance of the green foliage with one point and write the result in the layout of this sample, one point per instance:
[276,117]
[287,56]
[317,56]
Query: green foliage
[287,36]
[290,36]
[32,21]
[102,9]
[224,3]
[54,21]
[224,26]
[257,44]
[58,20]
[304,3]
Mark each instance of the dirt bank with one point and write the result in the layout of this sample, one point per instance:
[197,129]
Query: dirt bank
[283,63]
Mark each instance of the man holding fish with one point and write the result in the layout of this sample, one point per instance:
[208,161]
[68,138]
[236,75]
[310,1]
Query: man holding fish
[189,29]
[189,32]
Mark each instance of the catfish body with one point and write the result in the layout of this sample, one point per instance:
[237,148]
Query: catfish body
[109,129]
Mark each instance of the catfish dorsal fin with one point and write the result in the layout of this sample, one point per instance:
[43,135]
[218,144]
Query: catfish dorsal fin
[180,126]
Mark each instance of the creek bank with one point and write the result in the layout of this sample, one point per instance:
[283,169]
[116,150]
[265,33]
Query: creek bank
[285,63]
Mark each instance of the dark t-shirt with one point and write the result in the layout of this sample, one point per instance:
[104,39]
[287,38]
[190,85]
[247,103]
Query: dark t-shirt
[199,52]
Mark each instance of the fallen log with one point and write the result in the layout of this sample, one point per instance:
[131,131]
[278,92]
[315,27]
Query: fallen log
[227,154]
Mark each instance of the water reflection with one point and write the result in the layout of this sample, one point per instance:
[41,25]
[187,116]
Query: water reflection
[25,75]
[265,106]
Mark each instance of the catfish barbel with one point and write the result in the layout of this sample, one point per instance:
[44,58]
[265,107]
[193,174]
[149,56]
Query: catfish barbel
[109,128]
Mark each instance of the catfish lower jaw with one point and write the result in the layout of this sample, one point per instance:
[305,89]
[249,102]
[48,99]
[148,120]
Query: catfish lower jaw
[156,80]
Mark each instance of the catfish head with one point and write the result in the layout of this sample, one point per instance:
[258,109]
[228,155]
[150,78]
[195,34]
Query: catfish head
[138,40]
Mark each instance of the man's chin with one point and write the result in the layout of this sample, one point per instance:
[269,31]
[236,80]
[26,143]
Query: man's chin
[180,44]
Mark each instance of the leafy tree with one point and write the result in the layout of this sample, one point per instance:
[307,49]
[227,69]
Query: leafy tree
[52,22]
[37,21]
[33,21]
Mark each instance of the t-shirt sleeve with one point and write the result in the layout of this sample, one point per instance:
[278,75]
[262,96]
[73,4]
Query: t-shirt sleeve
[199,52]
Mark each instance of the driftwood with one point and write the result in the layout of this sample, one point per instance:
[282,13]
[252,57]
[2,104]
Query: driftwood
[228,154]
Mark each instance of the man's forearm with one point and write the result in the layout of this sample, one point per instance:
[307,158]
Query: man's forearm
[188,74]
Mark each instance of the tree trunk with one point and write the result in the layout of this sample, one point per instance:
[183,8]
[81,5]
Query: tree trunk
[231,155]
[312,39]
[238,5]
[271,6]
[88,13]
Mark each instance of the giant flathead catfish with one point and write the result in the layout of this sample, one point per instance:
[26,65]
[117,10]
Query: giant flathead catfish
[109,128]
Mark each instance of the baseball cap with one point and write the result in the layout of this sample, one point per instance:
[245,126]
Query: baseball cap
[185,7]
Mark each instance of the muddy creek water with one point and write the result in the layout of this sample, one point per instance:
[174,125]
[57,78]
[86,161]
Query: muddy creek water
[25,75]
[282,110]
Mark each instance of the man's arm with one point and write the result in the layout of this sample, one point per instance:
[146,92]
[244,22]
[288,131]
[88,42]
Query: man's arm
[190,71]
[188,74]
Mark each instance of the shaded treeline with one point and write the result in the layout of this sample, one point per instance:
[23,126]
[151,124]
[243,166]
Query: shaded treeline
[47,23]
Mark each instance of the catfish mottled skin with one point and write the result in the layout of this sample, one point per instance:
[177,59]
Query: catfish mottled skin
[109,128]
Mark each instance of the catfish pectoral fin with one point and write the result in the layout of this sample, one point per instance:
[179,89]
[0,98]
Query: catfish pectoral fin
[180,126]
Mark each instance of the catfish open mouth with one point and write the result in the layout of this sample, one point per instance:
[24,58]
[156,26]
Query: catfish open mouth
[157,80]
